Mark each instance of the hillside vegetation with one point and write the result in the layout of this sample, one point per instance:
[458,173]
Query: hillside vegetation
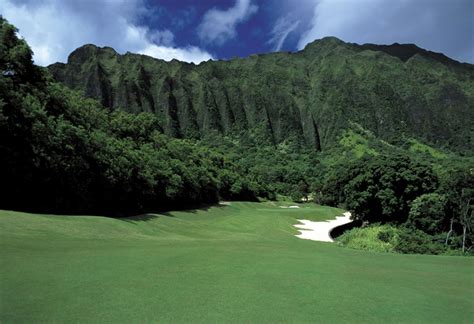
[60,152]
[348,134]
[306,98]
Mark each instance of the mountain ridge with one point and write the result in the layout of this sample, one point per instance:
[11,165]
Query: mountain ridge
[403,51]
[305,97]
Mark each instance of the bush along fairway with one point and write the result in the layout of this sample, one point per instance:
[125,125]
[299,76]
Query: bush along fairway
[235,263]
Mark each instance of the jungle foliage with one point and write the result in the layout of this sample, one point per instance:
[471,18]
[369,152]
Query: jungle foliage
[60,152]
[432,211]
[386,137]
[306,99]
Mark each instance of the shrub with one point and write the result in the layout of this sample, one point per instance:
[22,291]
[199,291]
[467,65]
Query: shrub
[386,235]
[416,241]
[378,238]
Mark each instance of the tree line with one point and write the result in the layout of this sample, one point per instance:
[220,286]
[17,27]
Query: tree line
[434,211]
[60,152]
[63,153]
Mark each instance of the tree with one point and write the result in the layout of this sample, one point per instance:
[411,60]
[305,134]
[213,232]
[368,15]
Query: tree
[16,56]
[62,153]
[384,187]
[466,216]
[428,213]
[337,177]
[458,186]
[303,189]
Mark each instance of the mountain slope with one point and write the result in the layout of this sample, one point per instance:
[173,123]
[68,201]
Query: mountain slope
[309,97]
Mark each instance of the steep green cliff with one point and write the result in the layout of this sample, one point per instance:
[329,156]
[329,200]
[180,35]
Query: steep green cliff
[307,98]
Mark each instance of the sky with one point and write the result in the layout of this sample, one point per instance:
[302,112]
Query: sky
[199,30]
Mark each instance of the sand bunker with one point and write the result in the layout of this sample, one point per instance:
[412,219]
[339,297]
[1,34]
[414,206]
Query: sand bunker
[319,231]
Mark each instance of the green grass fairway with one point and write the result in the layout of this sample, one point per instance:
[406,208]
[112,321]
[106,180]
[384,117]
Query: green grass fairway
[237,263]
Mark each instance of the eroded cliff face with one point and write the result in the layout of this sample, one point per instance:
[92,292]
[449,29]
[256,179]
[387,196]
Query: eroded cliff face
[307,97]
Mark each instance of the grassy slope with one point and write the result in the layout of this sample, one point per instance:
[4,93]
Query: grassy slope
[236,263]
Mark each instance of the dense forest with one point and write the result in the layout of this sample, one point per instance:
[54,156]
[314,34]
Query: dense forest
[385,132]
[60,152]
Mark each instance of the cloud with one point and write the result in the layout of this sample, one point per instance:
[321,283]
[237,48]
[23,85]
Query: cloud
[283,27]
[54,28]
[218,26]
[438,25]
[187,54]
[163,37]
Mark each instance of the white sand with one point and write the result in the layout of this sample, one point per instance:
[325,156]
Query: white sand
[319,231]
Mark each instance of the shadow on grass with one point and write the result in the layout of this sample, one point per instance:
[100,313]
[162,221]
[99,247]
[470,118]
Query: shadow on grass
[144,216]
[150,216]
[140,218]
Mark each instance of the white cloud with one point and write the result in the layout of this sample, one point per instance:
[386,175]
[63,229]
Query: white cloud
[54,28]
[283,27]
[162,37]
[438,25]
[188,54]
[218,26]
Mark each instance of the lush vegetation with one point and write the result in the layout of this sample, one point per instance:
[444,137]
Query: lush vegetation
[307,126]
[237,263]
[389,238]
[433,211]
[62,153]
[305,99]
[378,238]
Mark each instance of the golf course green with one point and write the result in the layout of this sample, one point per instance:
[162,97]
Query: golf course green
[229,263]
